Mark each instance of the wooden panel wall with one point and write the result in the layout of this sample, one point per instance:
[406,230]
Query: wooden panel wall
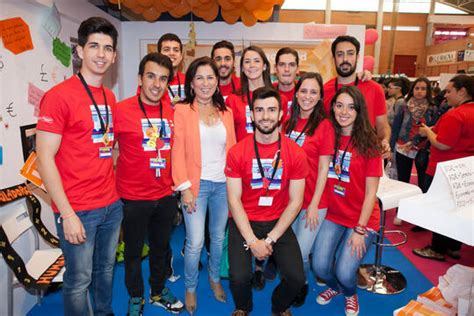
[405,43]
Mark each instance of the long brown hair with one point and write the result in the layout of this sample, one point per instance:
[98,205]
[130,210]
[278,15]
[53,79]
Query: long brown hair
[244,81]
[318,114]
[363,136]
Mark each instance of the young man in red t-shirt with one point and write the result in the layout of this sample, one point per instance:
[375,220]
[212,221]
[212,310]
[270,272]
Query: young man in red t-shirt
[170,45]
[143,129]
[223,54]
[265,183]
[286,66]
[75,137]
[345,51]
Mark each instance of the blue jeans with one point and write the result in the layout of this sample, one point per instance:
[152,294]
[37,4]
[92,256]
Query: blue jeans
[214,195]
[306,236]
[90,266]
[339,273]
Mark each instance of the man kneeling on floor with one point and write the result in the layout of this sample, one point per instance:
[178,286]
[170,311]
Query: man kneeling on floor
[265,184]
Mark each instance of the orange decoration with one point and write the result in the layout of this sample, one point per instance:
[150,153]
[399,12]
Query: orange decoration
[180,10]
[231,16]
[207,14]
[130,3]
[250,6]
[263,15]
[248,18]
[227,5]
[145,3]
[170,3]
[160,7]
[138,10]
[151,14]
[113,1]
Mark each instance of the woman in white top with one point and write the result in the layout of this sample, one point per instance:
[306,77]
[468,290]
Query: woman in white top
[204,131]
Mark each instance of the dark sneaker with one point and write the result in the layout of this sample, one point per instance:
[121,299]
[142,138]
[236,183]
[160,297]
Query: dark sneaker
[352,305]
[168,301]
[258,281]
[428,253]
[135,306]
[326,296]
[301,297]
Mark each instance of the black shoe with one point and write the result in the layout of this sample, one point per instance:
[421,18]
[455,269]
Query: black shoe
[258,281]
[301,297]
[417,229]
[270,271]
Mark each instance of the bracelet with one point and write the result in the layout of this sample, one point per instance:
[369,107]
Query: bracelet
[361,230]
[68,215]
[248,244]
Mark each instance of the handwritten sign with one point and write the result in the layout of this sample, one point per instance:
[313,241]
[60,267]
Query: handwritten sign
[16,35]
[52,22]
[34,97]
[460,175]
[62,52]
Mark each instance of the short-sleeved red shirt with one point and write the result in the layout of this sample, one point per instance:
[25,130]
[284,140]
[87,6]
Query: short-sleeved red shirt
[242,163]
[136,180]
[345,210]
[321,143]
[456,130]
[66,109]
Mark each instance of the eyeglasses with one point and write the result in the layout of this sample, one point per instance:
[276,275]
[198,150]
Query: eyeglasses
[394,87]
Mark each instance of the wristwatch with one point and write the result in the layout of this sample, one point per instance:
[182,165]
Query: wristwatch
[270,241]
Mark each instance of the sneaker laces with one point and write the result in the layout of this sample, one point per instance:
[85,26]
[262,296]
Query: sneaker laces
[352,303]
[328,294]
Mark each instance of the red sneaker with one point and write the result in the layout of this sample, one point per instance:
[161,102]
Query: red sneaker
[326,296]
[352,305]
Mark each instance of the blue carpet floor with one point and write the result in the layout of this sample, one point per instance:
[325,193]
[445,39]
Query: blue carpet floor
[370,304]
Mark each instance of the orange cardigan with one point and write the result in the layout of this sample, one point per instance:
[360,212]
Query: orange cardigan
[186,151]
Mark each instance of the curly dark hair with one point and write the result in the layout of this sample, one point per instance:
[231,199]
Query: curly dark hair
[363,136]
[318,114]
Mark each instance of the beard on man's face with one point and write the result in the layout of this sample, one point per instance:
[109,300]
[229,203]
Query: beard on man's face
[347,71]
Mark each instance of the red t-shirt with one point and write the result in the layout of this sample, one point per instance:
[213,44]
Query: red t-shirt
[241,110]
[241,163]
[321,143]
[176,86]
[345,210]
[136,180]
[372,92]
[66,109]
[287,94]
[455,129]
[228,89]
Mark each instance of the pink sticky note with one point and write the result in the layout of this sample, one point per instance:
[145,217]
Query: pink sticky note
[322,31]
[34,97]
